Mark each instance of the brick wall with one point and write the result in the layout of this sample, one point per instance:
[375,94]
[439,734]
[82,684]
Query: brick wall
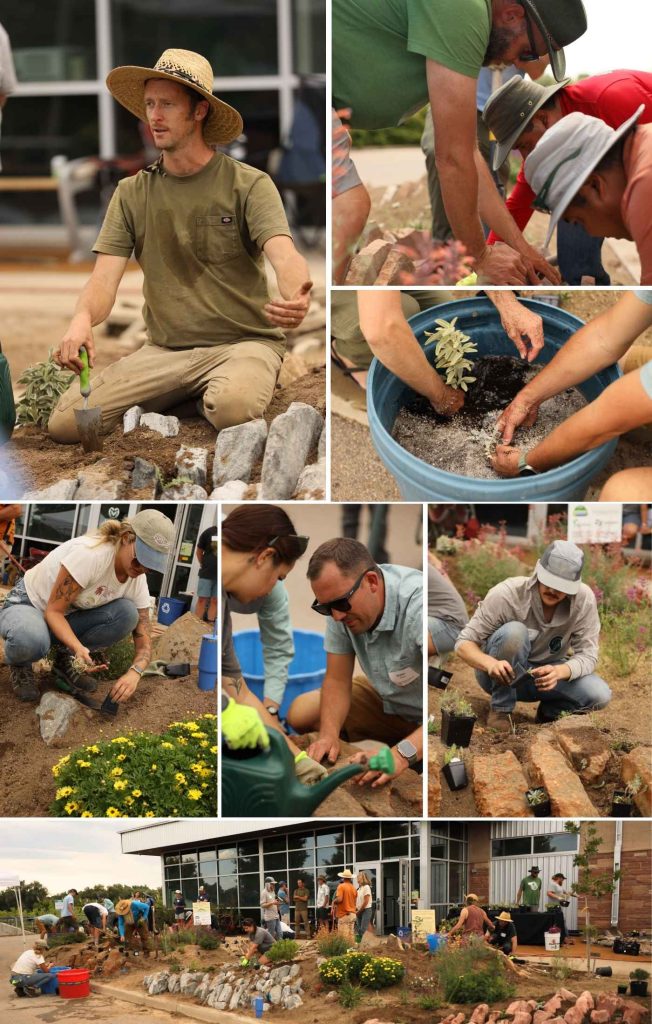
[635,892]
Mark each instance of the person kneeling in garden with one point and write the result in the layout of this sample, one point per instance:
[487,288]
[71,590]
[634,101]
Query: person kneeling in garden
[504,937]
[261,942]
[520,637]
[84,596]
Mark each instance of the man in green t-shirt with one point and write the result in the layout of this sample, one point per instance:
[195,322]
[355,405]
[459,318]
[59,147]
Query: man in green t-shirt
[529,891]
[198,223]
[390,57]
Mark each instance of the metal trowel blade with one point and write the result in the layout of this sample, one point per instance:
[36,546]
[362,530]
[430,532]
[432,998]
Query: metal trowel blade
[89,422]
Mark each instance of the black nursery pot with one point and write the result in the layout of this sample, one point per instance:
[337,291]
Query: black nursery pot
[455,775]
[638,988]
[603,972]
[439,678]
[541,810]
[456,730]
[621,990]
[619,810]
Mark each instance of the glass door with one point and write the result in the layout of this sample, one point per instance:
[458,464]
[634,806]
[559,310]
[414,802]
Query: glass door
[372,871]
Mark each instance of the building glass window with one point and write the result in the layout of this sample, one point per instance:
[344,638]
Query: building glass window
[367,851]
[301,842]
[36,128]
[56,48]
[330,839]
[249,890]
[395,828]
[205,855]
[518,846]
[561,842]
[276,862]
[367,830]
[309,38]
[51,522]
[395,848]
[274,844]
[228,890]
[301,859]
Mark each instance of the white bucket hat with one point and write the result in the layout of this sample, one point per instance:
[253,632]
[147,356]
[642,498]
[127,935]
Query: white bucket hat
[565,156]
[560,567]
[127,86]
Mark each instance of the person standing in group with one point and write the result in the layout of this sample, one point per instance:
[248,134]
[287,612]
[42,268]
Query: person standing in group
[300,897]
[67,919]
[344,901]
[363,905]
[558,895]
[270,903]
[283,902]
[206,552]
[323,903]
[529,891]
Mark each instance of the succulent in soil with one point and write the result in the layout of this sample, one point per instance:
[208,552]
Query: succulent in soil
[451,349]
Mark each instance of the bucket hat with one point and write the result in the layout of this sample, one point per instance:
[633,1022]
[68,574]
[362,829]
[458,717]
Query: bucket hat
[127,86]
[154,536]
[560,22]
[41,943]
[122,907]
[270,879]
[345,874]
[565,156]
[536,868]
[509,110]
[560,567]
[504,916]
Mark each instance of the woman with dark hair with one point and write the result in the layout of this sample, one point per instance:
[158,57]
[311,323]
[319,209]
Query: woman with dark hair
[259,546]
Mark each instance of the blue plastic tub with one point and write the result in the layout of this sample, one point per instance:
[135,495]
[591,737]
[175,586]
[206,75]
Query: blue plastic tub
[207,675]
[435,942]
[307,668]
[418,481]
[170,609]
[51,987]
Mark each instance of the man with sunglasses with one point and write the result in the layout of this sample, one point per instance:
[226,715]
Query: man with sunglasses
[390,57]
[375,615]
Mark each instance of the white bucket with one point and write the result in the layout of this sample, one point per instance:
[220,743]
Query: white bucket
[552,941]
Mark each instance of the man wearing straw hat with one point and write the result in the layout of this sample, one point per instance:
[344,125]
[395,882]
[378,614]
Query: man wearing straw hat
[504,936]
[520,112]
[198,223]
[344,902]
[599,177]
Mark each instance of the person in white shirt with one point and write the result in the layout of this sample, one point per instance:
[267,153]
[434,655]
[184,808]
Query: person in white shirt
[270,913]
[30,969]
[67,920]
[85,595]
[323,903]
[363,905]
[96,915]
[559,897]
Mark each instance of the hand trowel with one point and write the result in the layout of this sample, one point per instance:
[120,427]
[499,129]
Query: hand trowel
[89,421]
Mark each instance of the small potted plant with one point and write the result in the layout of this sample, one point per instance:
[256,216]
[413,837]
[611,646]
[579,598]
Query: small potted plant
[539,801]
[622,801]
[438,677]
[454,768]
[638,982]
[622,989]
[457,719]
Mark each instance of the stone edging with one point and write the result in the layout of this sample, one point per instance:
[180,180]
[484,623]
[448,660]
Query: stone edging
[184,1009]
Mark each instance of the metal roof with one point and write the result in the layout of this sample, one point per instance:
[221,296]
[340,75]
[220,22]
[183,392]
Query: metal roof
[157,837]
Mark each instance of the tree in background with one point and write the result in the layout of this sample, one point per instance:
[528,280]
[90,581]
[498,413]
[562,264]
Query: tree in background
[590,884]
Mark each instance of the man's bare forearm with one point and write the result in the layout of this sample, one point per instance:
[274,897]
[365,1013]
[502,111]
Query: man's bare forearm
[95,302]
[142,640]
[493,210]
[458,177]
[334,706]
[471,653]
[398,350]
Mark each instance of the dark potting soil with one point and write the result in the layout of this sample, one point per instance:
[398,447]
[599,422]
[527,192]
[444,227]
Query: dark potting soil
[459,444]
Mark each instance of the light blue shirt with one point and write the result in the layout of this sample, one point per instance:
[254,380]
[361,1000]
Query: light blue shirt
[139,911]
[390,655]
[275,626]
[645,295]
[486,83]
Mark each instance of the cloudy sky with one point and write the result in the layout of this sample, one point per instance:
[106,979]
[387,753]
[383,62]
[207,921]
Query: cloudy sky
[618,36]
[61,854]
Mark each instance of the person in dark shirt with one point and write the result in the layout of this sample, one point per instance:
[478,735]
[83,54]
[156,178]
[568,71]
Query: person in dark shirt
[504,937]
[206,552]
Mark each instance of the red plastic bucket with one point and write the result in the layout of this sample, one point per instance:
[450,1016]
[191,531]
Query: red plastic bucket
[75,984]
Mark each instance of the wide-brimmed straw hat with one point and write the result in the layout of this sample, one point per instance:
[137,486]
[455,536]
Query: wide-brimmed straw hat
[504,916]
[564,158]
[122,907]
[509,110]
[345,874]
[127,86]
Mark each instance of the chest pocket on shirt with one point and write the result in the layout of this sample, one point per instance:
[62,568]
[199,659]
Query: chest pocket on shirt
[217,238]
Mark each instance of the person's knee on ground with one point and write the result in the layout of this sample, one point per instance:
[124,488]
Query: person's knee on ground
[23,646]
[303,713]
[350,214]
[243,387]
[628,485]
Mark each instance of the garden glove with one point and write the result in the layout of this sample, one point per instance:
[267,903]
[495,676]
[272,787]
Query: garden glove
[244,962]
[308,771]
[242,727]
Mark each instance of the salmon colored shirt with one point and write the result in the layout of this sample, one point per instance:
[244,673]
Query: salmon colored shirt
[636,203]
[346,896]
[612,98]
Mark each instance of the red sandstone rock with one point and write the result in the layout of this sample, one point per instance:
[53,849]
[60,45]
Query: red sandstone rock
[551,770]
[459,1018]
[398,268]
[639,762]
[499,786]
[553,1004]
[567,996]
[365,265]
[585,747]
[542,1015]
[599,1017]
[479,1015]
[518,1006]
[522,1018]
[585,1003]
[113,963]
[574,1016]
[634,1014]
[609,1002]
[532,1003]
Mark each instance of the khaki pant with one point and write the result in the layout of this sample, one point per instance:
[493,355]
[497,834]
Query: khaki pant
[366,719]
[137,928]
[235,381]
[346,924]
[301,921]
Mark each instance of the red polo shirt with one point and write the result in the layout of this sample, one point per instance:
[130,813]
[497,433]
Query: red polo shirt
[612,98]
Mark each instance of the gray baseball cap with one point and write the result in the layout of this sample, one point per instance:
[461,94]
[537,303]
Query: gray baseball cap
[509,110]
[560,22]
[154,536]
[270,879]
[560,567]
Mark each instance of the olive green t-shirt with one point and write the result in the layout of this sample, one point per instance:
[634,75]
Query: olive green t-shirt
[199,242]
[379,48]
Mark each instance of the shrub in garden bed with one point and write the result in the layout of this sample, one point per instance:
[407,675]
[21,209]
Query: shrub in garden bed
[282,950]
[142,774]
[371,971]
[472,974]
[332,944]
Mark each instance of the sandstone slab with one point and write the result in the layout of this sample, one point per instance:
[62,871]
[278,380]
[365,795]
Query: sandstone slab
[568,798]
[499,786]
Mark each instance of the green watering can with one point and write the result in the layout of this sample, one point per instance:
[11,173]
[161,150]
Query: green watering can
[265,785]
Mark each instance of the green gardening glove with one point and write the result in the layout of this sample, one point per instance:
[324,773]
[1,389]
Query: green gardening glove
[242,727]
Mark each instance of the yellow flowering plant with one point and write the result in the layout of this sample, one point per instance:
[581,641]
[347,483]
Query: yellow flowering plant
[371,971]
[142,775]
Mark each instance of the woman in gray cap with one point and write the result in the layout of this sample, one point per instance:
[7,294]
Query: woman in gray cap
[84,596]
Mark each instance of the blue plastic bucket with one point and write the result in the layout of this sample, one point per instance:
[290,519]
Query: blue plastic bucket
[208,662]
[306,671]
[170,609]
[51,987]
[435,942]
[418,481]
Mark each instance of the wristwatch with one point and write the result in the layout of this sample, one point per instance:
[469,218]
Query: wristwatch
[135,668]
[524,468]
[272,711]
[408,751]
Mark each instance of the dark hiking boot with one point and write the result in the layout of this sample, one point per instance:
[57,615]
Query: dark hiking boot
[500,722]
[66,674]
[549,712]
[23,682]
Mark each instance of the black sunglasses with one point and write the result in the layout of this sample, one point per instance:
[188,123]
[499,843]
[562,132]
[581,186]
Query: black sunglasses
[301,543]
[340,604]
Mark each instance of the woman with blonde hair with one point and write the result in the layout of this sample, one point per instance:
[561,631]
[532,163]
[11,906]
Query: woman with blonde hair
[363,904]
[86,595]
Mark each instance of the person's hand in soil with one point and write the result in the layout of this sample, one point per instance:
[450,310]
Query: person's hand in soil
[499,670]
[450,401]
[546,677]
[325,746]
[521,412]
[289,313]
[375,778]
[85,658]
[78,334]
[505,460]
[124,687]
[500,264]
[521,325]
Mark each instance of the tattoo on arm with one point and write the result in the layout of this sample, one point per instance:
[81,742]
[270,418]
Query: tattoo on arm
[66,588]
[142,640]
[232,686]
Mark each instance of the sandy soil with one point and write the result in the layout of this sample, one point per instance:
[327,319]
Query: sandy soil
[26,782]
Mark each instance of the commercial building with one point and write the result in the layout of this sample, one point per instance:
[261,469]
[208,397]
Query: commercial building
[412,864]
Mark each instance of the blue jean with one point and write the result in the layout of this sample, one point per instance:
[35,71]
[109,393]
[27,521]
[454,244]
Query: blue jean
[579,254]
[35,980]
[444,634]
[27,637]
[274,928]
[362,919]
[511,643]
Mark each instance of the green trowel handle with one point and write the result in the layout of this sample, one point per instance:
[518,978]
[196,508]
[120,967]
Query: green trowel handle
[383,761]
[85,375]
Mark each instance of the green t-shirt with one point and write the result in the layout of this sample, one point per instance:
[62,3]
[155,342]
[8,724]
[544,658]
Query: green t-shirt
[530,891]
[379,48]
[199,242]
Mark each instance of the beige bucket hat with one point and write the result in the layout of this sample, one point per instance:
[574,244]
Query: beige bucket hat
[127,86]
[122,907]
[509,110]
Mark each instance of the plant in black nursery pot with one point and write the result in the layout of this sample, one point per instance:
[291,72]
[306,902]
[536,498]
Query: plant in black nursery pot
[454,768]
[438,677]
[638,982]
[622,801]
[457,719]
[539,801]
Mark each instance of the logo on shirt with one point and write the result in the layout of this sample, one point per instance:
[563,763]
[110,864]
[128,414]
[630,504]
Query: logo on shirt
[555,643]
[227,220]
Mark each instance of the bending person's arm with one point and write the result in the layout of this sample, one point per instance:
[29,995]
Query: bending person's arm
[60,602]
[391,340]
[125,686]
[335,703]
[293,279]
[401,763]
[93,306]
[278,645]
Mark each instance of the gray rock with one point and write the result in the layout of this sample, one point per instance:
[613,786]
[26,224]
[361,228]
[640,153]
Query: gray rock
[202,991]
[56,712]
[275,994]
[131,418]
[63,490]
[294,970]
[237,450]
[312,482]
[173,982]
[279,973]
[189,982]
[321,447]
[291,436]
[234,490]
[215,996]
[145,474]
[158,984]
[225,996]
[95,482]
[286,991]
[168,426]
[235,999]
[192,464]
[185,492]
[292,1002]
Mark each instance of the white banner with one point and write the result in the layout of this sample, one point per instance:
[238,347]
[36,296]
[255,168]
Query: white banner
[201,913]
[595,522]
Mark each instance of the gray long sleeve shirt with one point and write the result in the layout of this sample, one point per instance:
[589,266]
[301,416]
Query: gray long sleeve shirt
[571,636]
[275,626]
[444,602]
